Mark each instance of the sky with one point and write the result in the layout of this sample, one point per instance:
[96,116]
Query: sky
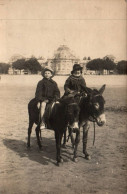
[94,28]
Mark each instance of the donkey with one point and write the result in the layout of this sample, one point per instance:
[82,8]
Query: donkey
[91,107]
[59,119]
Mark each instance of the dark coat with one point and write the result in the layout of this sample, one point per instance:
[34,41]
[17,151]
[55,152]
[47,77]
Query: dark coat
[47,89]
[75,84]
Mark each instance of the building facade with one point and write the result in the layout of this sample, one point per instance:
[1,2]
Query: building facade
[62,61]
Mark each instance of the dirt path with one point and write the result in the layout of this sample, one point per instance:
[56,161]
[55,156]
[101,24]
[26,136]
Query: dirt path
[24,171]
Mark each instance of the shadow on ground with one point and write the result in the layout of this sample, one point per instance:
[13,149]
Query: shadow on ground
[45,156]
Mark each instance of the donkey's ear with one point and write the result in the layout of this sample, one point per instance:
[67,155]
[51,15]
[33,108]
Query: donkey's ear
[87,90]
[102,89]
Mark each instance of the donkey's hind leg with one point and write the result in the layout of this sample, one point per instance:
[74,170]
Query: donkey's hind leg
[29,132]
[37,135]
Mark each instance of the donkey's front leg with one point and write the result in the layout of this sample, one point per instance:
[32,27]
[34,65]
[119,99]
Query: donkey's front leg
[58,138]
[77,140]
[37,135]
[85,137]
[29,132]
[64,139]
[70,131]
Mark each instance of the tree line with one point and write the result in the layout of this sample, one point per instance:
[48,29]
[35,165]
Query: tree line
[33,66]
[107,64]
[4,68]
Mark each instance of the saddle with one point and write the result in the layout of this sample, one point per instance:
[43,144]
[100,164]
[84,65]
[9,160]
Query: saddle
[47,114]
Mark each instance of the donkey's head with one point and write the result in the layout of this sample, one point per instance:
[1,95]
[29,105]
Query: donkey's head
[94,104]
[73,115]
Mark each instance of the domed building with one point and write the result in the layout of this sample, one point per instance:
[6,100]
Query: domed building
[63,61]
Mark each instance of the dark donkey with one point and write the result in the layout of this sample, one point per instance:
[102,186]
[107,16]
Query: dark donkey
[91,109]
[59,119]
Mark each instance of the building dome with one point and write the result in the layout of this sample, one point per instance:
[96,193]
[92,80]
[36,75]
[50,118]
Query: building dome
[63,60]
[63,52]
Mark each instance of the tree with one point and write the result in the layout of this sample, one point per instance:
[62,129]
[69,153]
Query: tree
[4,68]
[122,67]
[33,65]
[101,64]
[19,64]
[95,64]
[109,64]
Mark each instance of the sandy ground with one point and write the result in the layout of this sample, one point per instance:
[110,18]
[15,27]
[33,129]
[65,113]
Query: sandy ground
[24,171]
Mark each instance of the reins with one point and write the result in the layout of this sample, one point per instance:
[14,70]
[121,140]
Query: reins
[94,121]
[94,133]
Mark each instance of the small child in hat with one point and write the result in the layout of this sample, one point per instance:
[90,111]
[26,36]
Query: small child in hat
[46,92]
[75,82]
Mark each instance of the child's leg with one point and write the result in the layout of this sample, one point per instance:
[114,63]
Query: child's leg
[42,111]
[43,106]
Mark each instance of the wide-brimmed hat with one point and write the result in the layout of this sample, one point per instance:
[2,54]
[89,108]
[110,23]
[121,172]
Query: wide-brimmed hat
[47,69]
[76,67]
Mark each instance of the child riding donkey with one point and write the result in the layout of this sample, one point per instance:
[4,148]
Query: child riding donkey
[75,84]
[46,93]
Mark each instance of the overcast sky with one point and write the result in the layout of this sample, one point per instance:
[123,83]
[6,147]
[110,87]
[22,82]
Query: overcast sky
[92,28]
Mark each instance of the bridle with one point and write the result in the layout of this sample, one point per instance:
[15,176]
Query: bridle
[92,117]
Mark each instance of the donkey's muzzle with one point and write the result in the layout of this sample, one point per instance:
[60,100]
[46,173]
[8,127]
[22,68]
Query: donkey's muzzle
[74,127]
[101,120]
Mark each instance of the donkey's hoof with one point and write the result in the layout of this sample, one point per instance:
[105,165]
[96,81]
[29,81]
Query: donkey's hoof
[59,164]
[61,160]
[40,147]
[28,145]
[87,157]
[75,159]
